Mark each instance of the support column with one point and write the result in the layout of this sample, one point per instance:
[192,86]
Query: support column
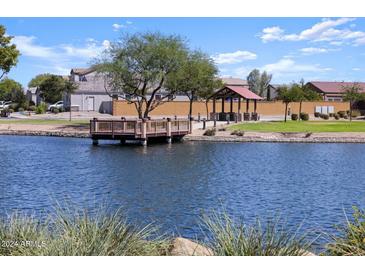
[247,105]
[254,106]
[168,131]
[223,99]
[231,106]
[239,105]
[144,132]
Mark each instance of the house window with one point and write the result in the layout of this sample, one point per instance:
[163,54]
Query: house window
[82,78]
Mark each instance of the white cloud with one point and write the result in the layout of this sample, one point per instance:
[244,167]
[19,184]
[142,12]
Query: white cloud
[288,66]
[356,69]
[117,27]
[59,59]
[234,57]
[311,50]
[27,47]
[323,31]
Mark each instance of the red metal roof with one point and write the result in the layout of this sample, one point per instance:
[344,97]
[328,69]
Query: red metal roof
[245,92]
[334,87]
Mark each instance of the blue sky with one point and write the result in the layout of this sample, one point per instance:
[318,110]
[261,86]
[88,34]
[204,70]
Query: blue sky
[289,48]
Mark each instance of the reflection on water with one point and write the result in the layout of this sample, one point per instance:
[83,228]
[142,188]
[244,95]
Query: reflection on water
[172,185]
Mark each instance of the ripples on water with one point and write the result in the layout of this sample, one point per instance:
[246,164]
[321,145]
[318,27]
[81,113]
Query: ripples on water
[172,185]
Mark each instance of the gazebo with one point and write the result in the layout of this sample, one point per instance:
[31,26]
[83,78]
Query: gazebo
[233,93]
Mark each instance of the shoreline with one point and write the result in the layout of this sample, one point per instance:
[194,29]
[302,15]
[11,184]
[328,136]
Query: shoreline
[256,137]
[237,139]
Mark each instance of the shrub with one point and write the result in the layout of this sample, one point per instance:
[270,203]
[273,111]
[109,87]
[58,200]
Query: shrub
[325,116]
[345,116]
[10,110]
[209,132]
[14,106]
[337,117]
[238,133]
[294,116]
[304,116]
[222,129]
[316,114]
[55,110]
[21,109]
[77,233]
[355,113]
[351,239]
[341,113]
[32,108]
[331,114]
[41,108]
[228,238]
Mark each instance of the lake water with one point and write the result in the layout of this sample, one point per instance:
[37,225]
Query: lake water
[173,185]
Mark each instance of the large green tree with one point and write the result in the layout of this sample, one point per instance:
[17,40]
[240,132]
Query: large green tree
[37,80]
[137,67]
[353,93]
[8,53]
[259,82]
[52,89]
[196,78]
[288,95]
[306,94]
[11,90]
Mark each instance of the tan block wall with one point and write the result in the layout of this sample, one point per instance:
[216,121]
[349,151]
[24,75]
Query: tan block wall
[122,108]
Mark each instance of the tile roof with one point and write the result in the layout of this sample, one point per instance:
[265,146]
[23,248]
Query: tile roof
[245,92]
[82,71]
[334,87]
[230,81]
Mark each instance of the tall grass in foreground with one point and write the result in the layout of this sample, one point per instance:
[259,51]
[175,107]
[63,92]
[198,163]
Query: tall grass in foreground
[228,238]
[351,241]
[78,234]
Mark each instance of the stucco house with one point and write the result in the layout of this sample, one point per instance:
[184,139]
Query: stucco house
[33,95]
[90,94]
[332,91]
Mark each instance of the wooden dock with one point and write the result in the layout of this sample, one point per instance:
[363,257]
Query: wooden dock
[140,130]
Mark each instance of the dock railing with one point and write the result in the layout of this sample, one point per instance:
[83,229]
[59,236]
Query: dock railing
[141,128]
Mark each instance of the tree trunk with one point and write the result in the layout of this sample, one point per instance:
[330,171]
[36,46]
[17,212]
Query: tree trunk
[286,110]
[350,111]
[191,107]
[206,107]
[300,109]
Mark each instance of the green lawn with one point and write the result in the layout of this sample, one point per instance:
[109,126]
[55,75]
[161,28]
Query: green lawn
[295,126]
[43,122]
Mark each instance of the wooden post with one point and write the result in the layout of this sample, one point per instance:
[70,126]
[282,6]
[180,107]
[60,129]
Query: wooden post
[223,104]
[254,106]
[112,129]
[144,133]
[168,131]
[231,109]
[247,105]
[239,105]
[199,117]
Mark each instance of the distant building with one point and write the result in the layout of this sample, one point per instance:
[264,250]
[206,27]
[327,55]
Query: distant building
[331,91]
[230,81]
[90,94]
[33,95]
[272,92]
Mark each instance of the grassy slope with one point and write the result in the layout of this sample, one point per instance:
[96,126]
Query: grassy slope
[44,122]
[295,126]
